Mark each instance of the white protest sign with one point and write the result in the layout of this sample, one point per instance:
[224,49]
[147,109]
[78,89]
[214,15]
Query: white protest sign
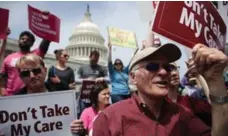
[46,114]
[223,11]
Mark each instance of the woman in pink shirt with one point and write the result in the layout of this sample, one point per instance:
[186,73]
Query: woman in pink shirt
[99,97]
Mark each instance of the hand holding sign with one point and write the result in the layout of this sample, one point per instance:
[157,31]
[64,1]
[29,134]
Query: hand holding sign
[72,85]
[209,62]
[46,13]
[99,80]
[77,127]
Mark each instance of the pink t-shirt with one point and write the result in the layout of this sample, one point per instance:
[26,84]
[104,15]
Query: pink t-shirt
[88,116]
[14,83]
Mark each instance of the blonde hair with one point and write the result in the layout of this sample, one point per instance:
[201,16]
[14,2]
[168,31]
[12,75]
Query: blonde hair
[30,58]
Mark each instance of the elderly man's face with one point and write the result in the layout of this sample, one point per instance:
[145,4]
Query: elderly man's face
[32,74]
[154,82]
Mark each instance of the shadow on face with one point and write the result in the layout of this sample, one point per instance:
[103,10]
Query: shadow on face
[118,65]
[32,74]
[152,81]
[64,56]
[94,59]
[174,76]
[25,43]
[103,96]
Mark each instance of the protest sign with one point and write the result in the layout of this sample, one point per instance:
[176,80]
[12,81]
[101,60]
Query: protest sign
[190,22]
[47,114]
[4,17]
[87,86]
[44,26]
[122,38]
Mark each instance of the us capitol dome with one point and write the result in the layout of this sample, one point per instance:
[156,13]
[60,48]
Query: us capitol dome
[86,37]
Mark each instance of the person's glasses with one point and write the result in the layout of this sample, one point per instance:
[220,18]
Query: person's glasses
[153,67]
[26,73]
[118,64]
[66,56]
[174,68]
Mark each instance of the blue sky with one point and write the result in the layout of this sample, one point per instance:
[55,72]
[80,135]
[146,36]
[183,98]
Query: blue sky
[123,15]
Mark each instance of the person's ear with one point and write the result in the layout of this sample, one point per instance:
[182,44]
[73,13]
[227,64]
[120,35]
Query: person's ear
[132,77]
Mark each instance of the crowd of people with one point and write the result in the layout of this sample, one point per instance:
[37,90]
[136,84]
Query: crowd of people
[163,103]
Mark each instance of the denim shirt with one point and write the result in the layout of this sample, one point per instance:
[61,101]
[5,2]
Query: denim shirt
[119,80]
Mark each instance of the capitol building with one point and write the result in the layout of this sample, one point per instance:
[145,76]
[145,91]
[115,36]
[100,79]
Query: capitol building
[85,38]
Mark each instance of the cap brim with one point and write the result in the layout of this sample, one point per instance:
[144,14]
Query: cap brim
[170,51]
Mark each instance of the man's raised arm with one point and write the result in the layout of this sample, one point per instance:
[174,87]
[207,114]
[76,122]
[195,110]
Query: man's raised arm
[44,45]
[211,63]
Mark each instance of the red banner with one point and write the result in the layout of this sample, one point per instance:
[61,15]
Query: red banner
[4,17]
[44,26]
[190,22]
[87,86]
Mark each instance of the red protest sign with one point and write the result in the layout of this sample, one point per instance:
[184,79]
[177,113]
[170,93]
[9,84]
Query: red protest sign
[190,22]
[44,26]
[4,17]
[87,86]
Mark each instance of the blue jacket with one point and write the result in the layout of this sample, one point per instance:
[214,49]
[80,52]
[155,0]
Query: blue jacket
[119,80]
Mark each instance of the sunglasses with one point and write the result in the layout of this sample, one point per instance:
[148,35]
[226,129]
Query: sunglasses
[26,73]
[153,67]
[118,63]
[66,56]
[174,68]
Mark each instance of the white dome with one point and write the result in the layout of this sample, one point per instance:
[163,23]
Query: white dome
[87,26]
[86,37]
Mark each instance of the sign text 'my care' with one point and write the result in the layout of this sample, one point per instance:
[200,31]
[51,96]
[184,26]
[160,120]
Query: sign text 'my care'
[39,127]
[188,18]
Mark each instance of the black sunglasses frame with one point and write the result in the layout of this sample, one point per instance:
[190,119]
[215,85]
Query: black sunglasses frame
[26,73]
[153,67]
[118,64]
[66,56]
[174,68]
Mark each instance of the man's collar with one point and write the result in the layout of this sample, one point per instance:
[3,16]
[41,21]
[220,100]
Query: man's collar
[165,108]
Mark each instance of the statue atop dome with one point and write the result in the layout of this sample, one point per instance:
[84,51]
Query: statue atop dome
[87,14]
[88,8]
